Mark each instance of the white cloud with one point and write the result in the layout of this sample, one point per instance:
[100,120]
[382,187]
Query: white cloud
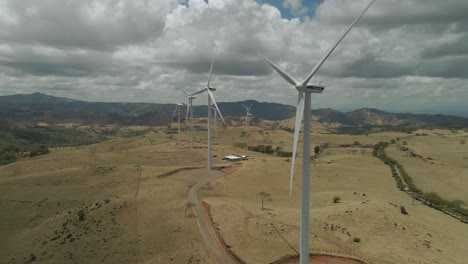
[402,55]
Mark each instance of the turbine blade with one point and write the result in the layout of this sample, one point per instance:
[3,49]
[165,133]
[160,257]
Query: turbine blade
[212,63]
[332,48]
[250,106]
[216,106]
[245,107]
[186,94]
[281,72]
[297,128]
[175,110]
[186,115]
[197,92]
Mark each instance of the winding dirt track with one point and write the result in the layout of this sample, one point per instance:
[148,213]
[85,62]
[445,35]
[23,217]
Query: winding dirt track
[213,245]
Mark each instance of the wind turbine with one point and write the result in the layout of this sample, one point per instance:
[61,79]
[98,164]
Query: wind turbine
[177,109]
[190,107]
[211,99]
[248,109]
[304,108]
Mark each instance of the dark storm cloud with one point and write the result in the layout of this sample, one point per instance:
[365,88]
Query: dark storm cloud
[455,48]
[444,67]
[396,13]
[370,67]
[62,63]
[231,66]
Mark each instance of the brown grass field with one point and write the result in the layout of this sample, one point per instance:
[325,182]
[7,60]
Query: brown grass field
[133,216]
[446,172]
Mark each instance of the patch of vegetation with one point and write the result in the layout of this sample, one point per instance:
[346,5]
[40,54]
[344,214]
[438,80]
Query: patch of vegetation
[336,199]
[268,149]
[41,150]
[81,215]
[19,141]
[8,154]
[431,198]
[240,145]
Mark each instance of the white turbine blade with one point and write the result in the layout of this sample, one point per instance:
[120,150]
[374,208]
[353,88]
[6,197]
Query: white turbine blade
[214,102]
[186,94]
[284,74]
[186,115]
[297,128]
[197,92]
[250,107]
[332,48]
[212,63]
[175,110]
[245,107]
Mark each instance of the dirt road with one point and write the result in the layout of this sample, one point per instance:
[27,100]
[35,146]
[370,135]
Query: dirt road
[215,247]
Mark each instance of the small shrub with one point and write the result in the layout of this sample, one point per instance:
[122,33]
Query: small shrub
[81,215]
[403,210]
[336,199]
[357,239]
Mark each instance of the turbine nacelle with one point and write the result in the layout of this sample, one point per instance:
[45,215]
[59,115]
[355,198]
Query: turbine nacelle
[211,89]
[312,88]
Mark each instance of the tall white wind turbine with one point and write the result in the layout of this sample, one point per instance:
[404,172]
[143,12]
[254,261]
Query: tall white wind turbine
[190,107]
[304,108]
[177,109]
[248,109]
[211,100]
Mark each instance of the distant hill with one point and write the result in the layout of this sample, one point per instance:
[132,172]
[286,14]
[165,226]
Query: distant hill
[37,107]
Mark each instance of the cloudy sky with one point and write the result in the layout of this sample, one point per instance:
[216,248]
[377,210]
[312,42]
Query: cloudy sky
[404,55]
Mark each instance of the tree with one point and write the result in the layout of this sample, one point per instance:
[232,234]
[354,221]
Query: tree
[265,197]
[336,199]
[317,150]
[187,206]
[462,142]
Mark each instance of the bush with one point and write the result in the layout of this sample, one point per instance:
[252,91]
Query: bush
[336,199]
[8,154]
[284,154]
[81,215]
[262,148]
[240,145]
[41,150]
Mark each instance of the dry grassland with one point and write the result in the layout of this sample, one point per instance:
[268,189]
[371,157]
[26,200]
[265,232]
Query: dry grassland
[133,216]
[446,172]
[130,215]
[387,236]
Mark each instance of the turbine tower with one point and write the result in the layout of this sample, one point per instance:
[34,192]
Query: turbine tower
[304,108]
[190,107]
[248,109]
[177,109]
[215,121]
[211,100]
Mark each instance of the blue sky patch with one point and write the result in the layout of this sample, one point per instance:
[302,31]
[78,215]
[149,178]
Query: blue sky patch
[287,12]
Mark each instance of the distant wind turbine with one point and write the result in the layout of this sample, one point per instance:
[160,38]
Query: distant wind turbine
[211,99]
[177,109]
[304,108]
[190,107]
[248,109]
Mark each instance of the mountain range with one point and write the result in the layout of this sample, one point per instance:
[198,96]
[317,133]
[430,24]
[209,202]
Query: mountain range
[38,107]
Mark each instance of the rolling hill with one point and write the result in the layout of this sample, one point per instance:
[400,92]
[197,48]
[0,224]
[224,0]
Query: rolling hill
[37,107]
